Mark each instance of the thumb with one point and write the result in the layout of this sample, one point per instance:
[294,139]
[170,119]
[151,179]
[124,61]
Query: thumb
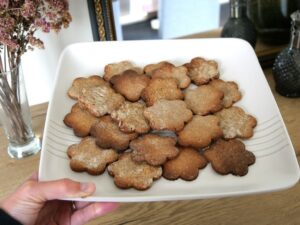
[64,188]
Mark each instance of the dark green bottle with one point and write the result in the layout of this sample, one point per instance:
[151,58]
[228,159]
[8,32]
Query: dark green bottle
[272,19]
[239,25]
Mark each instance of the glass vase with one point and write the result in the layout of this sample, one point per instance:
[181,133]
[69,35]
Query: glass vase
[15,114]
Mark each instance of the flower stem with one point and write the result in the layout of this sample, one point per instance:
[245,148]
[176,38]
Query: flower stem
[18,130]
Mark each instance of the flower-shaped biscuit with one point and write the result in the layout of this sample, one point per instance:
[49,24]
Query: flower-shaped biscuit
[168,115]
[201,71]
[230,90]
[81,83]
[179,73]
[108,134]
[204,99]
[229,157]
[80,120]
[130,117]
[87,156]
[130,84]
[100,100]
[185,166]
[150,68]
[200,131]
[113,69]
[128,173]
[161,88]
[236,123]
[153,149]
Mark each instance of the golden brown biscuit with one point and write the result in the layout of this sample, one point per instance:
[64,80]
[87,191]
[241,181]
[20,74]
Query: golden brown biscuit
[229,157]
[201,71]
[149,69]
[108,134]
[130,84]
[236,123]
[153,149]
[80,120]
[200,131]
[113,69]
[161,88]
[130,117]
[84,83]
[128,173]
[204,99]
[230,90]
[100,100]
[87,156]
[179,73]
[185,166]
[168,115]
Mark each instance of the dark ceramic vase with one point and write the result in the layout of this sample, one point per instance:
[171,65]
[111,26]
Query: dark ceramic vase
[239,25]
[286,69]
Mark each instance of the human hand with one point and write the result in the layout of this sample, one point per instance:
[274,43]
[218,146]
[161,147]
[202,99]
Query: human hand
[36,202]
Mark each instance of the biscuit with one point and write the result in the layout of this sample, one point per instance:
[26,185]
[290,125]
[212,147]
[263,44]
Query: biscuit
[161,88]
[230,90]
[149,69]
[236,123]
[153,149]
[229,157]
[108,134]
[130,117]
[200,131]
[113,69]
[204,99]
[82,82]
[201,71]
[179,73]
[80,120]
[168,115]
[100,100]
[185,166]
[128,173]
[87,156]
[130,84]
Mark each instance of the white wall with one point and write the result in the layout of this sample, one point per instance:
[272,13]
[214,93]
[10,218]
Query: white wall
[39,66]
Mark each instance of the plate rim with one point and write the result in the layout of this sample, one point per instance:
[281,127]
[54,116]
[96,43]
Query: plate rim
[287,185]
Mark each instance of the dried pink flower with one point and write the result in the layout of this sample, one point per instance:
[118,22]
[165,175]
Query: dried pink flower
[4,4]
[5,39]
[36,42]
[7,23]
[20,19]
[28,9]
[43,24]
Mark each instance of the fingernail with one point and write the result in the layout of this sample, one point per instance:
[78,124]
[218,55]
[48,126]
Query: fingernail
[87,187]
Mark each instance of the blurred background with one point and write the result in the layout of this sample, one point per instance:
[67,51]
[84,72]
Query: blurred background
[154,19]
[142,20]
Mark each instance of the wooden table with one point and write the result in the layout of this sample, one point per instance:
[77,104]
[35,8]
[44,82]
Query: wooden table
[278,208]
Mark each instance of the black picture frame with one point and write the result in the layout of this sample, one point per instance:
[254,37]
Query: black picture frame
[102,20]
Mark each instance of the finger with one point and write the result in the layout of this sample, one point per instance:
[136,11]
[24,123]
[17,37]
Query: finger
[64,188]
[80,205]
[92,211]
[33,176]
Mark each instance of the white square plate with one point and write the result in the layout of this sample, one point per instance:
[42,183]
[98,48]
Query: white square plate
[276,166]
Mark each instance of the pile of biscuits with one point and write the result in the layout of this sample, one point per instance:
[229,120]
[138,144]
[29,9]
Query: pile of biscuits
[160,120]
